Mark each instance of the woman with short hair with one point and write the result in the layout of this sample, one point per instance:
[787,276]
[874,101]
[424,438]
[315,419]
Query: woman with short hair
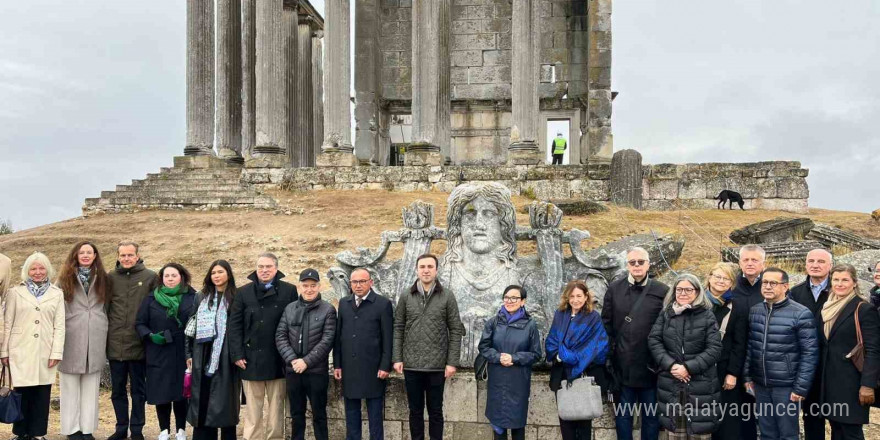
[160,322]
[84,283]
[216,387]
[686,344]
[511,344]
[841,382]
[33,343]
[576,347]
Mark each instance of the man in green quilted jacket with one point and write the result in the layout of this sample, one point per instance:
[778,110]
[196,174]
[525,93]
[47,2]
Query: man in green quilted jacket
[427,346]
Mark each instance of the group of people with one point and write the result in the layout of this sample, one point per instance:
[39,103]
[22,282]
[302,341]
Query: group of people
[699,359]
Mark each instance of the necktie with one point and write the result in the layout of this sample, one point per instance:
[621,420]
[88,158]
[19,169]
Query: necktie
[357,301]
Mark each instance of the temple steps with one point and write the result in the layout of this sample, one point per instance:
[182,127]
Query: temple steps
[200,182]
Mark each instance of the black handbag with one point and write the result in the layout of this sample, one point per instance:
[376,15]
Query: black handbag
[481,364]
[10,400]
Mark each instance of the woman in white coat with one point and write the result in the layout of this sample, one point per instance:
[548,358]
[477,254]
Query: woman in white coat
[33,343]
[85,285]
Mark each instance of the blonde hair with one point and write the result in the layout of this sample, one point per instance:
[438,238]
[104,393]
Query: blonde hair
[729,269]
[37,257]
[566,294]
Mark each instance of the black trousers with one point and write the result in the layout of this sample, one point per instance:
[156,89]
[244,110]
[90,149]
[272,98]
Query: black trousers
[576,429]
[134,372]
[557,159]
[846,431]
[163,413]
[814,425]
[425,388]
[515,434]
[35,408]
[311,387]
[203,432]
[748,429]
[729,428]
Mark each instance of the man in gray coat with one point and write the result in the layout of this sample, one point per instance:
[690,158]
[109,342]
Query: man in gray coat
[304,338]
[129,284]
[427,346]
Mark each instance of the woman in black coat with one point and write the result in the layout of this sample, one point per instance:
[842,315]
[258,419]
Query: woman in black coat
[842,383]
[686,344]
[160,322]
[511,344]
[216,385]
[874,297]
[732,315]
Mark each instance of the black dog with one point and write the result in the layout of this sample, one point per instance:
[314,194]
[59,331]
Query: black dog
[730,196]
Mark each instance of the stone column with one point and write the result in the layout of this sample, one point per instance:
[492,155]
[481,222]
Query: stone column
[601,139]
[271,90]
[430,83]
[199,78]
[229,80]
[317,93]
[289,74]
[303,146]
[336,149]
[248,78]
[367,73]
[523,149]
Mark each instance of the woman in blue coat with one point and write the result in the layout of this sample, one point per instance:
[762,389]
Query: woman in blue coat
[160,323]
[511,344]
[576,346]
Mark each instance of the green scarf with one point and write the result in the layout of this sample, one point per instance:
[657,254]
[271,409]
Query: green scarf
[169,297]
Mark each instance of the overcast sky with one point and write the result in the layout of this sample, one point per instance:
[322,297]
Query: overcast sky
[92,93]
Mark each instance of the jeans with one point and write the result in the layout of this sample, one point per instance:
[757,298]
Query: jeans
[425,387]
[375,414]
[623,421]
[777,414]
[134,372]
[314,388]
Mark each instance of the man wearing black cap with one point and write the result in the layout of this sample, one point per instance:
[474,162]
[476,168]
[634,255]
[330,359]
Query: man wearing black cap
[304,339]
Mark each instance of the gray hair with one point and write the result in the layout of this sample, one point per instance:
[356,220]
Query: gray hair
[699,301]
[826,251]
[122,243]
[640,250]
[37,257]
[753,248]
[270,256]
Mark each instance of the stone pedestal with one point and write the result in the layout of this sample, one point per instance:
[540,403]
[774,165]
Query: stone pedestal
[524,153]
[336,159]
[196,162]
[418,158]
[231,157]
[267,161]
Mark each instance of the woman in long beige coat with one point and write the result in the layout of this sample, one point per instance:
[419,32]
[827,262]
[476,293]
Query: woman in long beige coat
[85,287]
[33,343]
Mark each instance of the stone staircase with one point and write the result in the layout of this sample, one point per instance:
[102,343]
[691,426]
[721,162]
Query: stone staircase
[195,182]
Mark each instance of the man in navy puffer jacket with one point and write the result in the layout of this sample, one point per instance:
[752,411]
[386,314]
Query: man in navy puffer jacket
[782,354]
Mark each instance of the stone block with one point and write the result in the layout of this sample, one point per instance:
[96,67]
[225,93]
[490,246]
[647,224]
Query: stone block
[503,10]
[480,11]
[598,190]
[458,75]
[390,58]
[548,189]
[496,25]
[472,431]
[600,58]
[389,28]
[505,41]
[600,40]
[405,14]
[661,189]
[691,189]
[549,432]
[799,206]
[481,91]
[600,78]
[470,42]
[792,188]
[554,56]
[267,161]
[418,158]
[461,393]
[545,74]
[195,162]
[488,75]
[462,27]
[765,188]
[336,159]
[600,22]
[397,75]
[497,57]
[466,58]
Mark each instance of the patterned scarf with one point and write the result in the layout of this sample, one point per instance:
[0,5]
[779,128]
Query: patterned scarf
[211,327]
[84,274]
[36,289]
[169,297]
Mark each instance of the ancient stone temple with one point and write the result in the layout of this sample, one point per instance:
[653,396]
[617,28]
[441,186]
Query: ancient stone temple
[478,79]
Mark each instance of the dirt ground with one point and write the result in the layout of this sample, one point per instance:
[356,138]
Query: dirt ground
[309,229]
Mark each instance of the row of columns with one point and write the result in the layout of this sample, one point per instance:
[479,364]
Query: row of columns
[267,100]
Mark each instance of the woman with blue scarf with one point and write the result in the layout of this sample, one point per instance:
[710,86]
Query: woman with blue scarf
[160,323]
[576,346]
[732,316]
[216,387]
[511,344]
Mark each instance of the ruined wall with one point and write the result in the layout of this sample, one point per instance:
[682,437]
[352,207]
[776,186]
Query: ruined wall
[767,185]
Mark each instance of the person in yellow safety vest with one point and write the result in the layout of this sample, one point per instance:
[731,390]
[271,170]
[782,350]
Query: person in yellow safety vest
[559,146]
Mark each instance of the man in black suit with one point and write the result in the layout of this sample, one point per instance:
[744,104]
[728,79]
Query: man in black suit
[748,292]
[813,293]
[362,354]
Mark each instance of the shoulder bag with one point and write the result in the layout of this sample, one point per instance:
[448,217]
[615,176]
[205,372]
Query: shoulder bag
[580,399]
[857,354]
[10,400]
[481,364]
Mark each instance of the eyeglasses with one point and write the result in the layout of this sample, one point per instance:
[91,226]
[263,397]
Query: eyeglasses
[720,278]
[636,262]
[685,290]
[356,282]
[512,299]
[771,284]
